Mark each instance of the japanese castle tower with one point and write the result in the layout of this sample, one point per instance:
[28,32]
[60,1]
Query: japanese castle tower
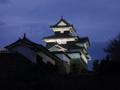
[70,48]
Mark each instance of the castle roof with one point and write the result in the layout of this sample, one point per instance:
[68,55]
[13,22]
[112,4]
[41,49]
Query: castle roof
[34,46]
[59,36]
[70,46]
[83,39]
[65,24]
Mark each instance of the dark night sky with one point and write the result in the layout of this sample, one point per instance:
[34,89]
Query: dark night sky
[97,19]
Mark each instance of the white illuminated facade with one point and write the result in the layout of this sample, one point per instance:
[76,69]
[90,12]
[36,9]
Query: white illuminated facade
[59,40]
[68,47]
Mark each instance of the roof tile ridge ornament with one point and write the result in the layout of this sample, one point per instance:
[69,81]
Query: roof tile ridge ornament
[25,39]
[62,18]
[24,36]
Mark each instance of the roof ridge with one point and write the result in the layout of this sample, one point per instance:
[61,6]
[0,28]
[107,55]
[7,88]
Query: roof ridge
[62,19]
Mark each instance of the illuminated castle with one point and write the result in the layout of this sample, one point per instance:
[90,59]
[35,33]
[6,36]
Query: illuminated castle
[71,49]
[64,50]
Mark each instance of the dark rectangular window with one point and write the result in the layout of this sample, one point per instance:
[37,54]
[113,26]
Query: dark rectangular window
[66,32]
[58,32]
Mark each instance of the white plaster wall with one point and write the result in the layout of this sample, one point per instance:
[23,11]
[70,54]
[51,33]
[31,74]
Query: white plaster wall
[60,41]
[62,29]
[74,55]
[84,58]
[85,45]
[62,24]
[80,44]
[46,58]
[27,52]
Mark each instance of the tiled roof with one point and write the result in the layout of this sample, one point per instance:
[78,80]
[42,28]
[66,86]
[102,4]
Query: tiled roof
[34,46]
[71,46]
[24,41]
[79,40]
[62,20]
[59,36]
[83,39]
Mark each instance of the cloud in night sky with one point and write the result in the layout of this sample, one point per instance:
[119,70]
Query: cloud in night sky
[98,19]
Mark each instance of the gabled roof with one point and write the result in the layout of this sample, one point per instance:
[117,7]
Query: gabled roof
[57,48]
[83,40]
[25,41]
[66,24]
[59,36]
[80,40]
[34,46]
[70,46]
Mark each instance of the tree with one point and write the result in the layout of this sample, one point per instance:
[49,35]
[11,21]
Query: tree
[96,65]
[111,64]
[113,49]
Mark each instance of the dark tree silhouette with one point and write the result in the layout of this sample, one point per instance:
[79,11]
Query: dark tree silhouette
[96,65]
[111,63]
[113,50]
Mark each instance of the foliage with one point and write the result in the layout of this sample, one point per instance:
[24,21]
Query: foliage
[113,50]
[111,63]
[96,65]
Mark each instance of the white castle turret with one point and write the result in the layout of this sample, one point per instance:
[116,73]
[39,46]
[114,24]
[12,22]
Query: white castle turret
[68,47]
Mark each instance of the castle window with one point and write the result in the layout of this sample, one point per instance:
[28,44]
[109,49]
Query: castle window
[57,32]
